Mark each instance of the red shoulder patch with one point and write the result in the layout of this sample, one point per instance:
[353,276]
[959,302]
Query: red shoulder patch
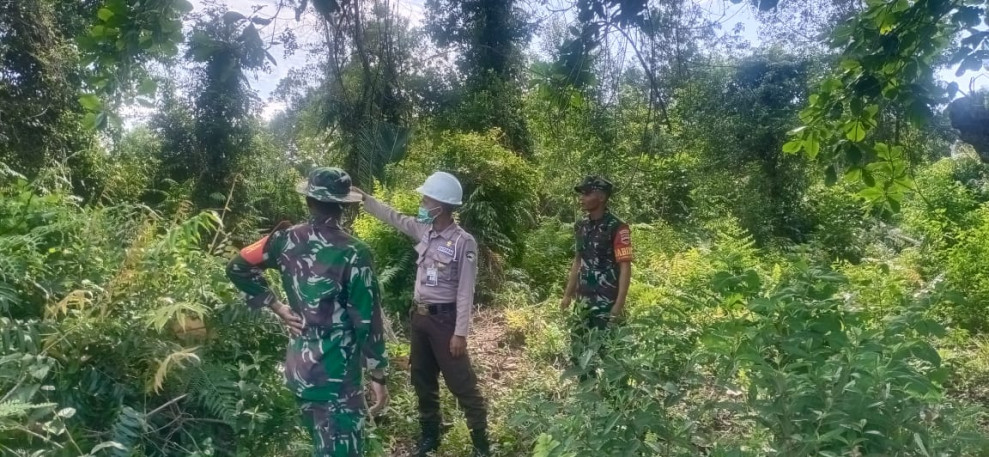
[254,254]
[623,244]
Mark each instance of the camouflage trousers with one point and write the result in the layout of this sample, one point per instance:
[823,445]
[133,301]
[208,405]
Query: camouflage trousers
[337,429]
[585,334]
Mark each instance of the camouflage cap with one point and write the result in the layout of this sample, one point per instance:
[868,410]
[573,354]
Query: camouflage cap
[331,185]
[595,182]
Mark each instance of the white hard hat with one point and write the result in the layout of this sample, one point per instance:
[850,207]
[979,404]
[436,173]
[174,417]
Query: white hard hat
[442,187]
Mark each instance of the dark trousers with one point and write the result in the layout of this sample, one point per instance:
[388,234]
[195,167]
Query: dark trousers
[429,356]
[591,323]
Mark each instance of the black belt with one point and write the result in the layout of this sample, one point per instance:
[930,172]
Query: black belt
[433,308]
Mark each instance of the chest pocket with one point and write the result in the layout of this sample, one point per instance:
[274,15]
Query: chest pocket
[447,269]
[446,266]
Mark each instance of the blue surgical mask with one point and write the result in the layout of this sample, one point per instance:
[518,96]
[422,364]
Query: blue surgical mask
[425,216]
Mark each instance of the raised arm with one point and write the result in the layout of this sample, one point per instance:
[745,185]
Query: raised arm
[388,215]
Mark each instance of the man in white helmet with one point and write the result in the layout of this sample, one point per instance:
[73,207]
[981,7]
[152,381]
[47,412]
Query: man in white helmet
[444,299]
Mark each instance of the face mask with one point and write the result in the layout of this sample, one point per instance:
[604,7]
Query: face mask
[425,216]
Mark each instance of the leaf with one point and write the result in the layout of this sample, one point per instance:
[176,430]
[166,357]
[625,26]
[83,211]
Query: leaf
[971,63]
[177,358]
[868,179]
[873,194]
[261,21]
[918,113]
[107,445]
[791,147]
[893,201]
[920,444]
[148,86]
[952,90]
[853,175]
[850,64]
[813,147]
[90,102]
[853,153]
[231,17]
[855,131]
[104,14]
[967,16]
[94,121]
[183,6]
[66,413]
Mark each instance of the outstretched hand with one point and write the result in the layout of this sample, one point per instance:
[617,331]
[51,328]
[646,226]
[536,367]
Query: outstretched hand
[358,190]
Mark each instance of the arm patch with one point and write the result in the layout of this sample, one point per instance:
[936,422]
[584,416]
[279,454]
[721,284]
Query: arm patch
[623,245]
[254,254]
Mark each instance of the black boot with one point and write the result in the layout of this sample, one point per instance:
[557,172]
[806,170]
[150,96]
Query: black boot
[480,439]
[429,441]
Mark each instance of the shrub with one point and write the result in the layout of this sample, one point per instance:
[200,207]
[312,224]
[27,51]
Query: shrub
[967,271]
[549,249]
[821,380]
[119,303]
[945,203]
[498,185]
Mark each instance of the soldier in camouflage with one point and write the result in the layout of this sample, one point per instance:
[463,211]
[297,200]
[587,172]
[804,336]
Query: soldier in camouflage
[333,313]
[601,268]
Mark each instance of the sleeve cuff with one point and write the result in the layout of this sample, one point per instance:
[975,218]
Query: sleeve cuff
[261,301]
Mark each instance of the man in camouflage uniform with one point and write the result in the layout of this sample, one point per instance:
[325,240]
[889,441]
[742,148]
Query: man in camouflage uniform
[334,313]
[601,268]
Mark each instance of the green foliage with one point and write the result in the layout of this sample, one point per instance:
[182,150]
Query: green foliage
[636,401]
[39,78]
[967,271]
[120,335]
[116,302]
[831,382]
[838,218]
[950,190]
[226,45]
[549,249]
[395,258]
[492,35]
[744,129]
[122,40]
[498,197]
[890,52]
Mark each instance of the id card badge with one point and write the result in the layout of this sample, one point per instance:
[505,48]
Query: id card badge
[432,276]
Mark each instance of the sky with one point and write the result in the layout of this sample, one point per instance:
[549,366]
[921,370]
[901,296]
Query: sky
[307,32]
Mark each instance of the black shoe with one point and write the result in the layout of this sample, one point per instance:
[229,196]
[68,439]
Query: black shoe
[480,439]
[429,441]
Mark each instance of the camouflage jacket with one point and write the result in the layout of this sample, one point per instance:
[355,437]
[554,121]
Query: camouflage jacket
[329,280]
[601,245]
